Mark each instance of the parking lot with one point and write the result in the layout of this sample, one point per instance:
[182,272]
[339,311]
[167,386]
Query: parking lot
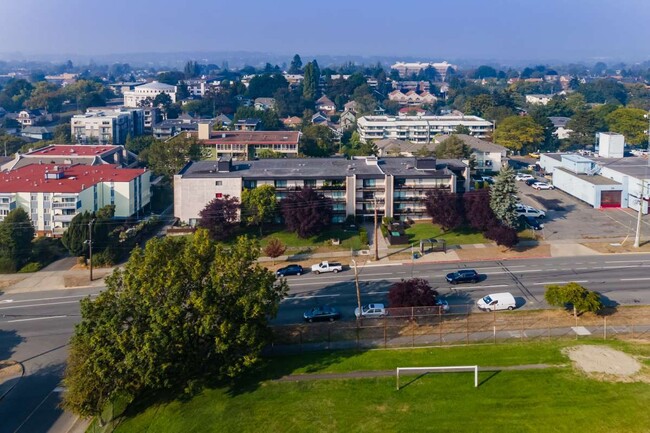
[570,218]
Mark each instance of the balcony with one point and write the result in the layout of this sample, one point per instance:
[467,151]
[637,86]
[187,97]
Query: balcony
[66,204]
[63,218]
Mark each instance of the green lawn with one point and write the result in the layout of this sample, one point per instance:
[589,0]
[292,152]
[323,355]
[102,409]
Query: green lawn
[427,230]
[348,239]
[551,400]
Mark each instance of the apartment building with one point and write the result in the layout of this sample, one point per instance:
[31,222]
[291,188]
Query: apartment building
[396,185]
[418,129]
[53,194]
[149,91]
[66,154]
[246,144]
[406,69]
[107,126]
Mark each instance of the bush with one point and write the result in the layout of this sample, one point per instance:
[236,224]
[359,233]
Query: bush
[384,230]
[7,266]
[103,258]
[30,267]
[81,260]
[387,221]
[363,236]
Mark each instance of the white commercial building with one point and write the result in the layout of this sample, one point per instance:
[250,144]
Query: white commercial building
[53,194]
[406,69]
[608,180]
[419,129]
[149,91]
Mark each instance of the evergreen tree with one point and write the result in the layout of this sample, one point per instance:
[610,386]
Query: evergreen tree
[311,81]
[296,65]
[16,235]
[503,197]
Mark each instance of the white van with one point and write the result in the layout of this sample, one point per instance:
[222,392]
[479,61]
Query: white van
[497,301]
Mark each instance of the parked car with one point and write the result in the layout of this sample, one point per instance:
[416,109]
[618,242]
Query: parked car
[321,313]
[532,223]
[530,211]
[488,179]
[442,304]
[530,182]
[326,267]
[497,301]
[542,185]
[523,176]
[290,270]
[463,276]
[371,310]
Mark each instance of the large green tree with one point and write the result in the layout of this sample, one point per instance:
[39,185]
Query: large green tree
[168,157]
[317,140]
[629,122]
[517,132]
[453,147]
[503,197]
[296,65]
[311,81]
[77,234]
[258,205]
[16,236]
[573,295]
[583,125]
[183,311]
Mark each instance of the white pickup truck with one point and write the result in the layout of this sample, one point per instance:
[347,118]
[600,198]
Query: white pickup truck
[326,267]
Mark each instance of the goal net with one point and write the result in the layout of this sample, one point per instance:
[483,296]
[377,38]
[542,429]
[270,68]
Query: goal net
[450,369]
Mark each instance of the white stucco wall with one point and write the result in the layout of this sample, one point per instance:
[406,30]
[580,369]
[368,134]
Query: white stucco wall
[192,194]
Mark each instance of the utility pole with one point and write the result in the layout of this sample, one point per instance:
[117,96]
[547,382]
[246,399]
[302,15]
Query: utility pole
[90,246]
[356,282]
[637,238]
[376,234]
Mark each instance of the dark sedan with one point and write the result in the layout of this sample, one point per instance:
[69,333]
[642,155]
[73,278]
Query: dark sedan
[463,276]
[290,270]
[321,313]
[532,223]
[530,182]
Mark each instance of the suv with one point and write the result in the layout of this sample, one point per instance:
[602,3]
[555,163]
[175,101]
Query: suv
[531,223]
[530,211]
[463,276]
[523,176]
[371,310]
[542,185]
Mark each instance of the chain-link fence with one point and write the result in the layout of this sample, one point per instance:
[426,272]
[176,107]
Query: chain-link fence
[428,326]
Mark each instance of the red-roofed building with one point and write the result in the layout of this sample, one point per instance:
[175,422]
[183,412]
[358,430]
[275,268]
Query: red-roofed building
[71,154]
[53,194]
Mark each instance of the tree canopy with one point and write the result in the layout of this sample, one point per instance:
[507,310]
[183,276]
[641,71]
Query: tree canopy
[516,132]
[573,295]
[444,208]
[181,312]
[502,197]
[317,140]
[629,122]
[453,147]
[16,236]
[259,205]
[415,292]
[219,217]
[306,212]
[168,157]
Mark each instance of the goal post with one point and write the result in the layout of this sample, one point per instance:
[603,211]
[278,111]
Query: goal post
[473,368]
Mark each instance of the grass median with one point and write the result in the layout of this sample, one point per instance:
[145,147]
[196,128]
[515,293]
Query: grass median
[557,399]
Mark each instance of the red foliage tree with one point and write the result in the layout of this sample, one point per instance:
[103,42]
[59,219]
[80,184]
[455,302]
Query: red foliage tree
[306,212]
[415,292]
[502,235]
[444,208]
[219,217]
[478,212]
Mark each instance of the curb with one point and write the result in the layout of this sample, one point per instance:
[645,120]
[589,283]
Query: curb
[22,373]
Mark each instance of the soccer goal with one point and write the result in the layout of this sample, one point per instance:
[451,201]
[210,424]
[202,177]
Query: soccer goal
[440,369]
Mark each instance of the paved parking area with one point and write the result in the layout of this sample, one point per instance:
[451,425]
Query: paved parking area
[570,218]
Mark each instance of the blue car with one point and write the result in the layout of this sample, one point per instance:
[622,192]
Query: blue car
[321,313]
[290,270]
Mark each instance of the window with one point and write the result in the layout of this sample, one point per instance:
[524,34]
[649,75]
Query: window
[369,183]
[280,183]
[310,183]
[218,183]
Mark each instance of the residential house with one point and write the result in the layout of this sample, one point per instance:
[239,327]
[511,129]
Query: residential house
[264,104]
[319,119]
[560,129]
[32,117]
[351,106]
[248,124]
[411,111]
[223,119]
[538,99]
[292,122]
[325,105]
[172,127]
[37,132]
[53,194]
[347,120]
[398,186]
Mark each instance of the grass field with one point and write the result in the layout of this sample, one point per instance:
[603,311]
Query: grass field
[551,400]
[292,240]
[460,236]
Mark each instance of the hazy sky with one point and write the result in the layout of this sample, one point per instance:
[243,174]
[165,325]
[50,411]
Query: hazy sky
[471,29]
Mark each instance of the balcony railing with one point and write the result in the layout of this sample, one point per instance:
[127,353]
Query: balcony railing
[66,204]
[63,218]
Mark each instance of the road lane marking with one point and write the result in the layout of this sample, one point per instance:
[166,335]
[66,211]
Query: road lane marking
[635,279]
[477,287]
[614,267]
[48,299]
[39,305]
[312,296]
[35,318]
[376,293]
[560,282]
[627,261]
[6,301]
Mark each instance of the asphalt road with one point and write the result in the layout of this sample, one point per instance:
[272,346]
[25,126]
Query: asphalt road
[35,327]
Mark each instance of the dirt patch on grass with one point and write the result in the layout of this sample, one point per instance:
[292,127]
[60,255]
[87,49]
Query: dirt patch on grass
[9,368]
[492,253]
[627,247]
[605,363]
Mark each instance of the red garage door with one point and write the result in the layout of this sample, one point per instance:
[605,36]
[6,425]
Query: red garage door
[610,198]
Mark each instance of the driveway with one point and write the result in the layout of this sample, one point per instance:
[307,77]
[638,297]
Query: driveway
[569,218]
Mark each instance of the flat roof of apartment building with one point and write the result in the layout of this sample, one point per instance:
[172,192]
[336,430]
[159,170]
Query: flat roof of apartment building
[253,137]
